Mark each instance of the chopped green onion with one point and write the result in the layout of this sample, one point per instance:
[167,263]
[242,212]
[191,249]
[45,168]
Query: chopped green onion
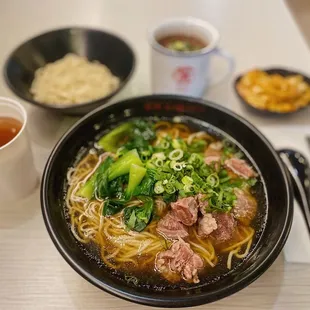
[195,160]
[176,144]
[186,180]
[159,162]
[213,180]
[178,185]
[224,180]
[144,155]
[220,198]
[160,155]
[165,144]
[188,188]
[170,189]
[176,166]
[212,192]
[189,167]
[223,173]
[176,154]
[238,155]
[252,182]
[158,188]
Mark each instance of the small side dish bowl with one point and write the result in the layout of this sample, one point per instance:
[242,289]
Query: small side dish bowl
[271,71]
[101,46]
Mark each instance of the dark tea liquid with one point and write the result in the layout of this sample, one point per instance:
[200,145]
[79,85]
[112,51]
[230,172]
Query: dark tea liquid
[9,128]
[182,43]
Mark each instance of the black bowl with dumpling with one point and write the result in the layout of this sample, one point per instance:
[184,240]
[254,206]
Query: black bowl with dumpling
[194,237]
[95,45]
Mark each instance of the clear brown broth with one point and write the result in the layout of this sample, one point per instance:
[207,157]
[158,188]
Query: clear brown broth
[189,43]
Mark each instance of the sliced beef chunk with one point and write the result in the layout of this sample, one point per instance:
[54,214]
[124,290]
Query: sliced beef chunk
[182,253]
[170,227]
[186,210]
[180,258]
[190,271]
[213,153]
[240,167]
[212,159]
[206,225]
[202,203]
[225,226]
[245,207]
[162,262]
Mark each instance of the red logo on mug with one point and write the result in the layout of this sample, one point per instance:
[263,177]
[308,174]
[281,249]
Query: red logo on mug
[183,75]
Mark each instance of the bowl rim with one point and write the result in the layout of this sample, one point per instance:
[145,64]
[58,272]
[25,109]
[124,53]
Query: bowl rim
[162,301]
[265,112]
[64,108]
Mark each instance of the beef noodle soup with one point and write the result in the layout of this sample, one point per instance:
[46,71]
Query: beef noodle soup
[159,199]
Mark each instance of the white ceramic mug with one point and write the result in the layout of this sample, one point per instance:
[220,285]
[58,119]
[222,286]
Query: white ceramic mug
[18,176]
[185,73]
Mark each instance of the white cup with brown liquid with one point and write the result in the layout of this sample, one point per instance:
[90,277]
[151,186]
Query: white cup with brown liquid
[182,50]
[18,176]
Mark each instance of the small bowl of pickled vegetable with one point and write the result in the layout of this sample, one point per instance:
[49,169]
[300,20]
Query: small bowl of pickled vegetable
[273,91]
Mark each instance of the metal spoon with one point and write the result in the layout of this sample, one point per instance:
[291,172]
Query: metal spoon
[299,169]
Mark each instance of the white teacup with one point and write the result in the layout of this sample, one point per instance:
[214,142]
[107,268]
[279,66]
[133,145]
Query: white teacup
[185,73]
[18,176]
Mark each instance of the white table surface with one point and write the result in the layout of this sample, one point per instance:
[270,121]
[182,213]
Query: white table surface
[33,275]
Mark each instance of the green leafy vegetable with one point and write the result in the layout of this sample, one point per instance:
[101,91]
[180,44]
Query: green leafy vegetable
[146,186]
[98,182]
[123,164]
[102,178]
[137,217]
[136,174]
[113,206]
[110,142]
[140,136]
[87,189]
[117,186]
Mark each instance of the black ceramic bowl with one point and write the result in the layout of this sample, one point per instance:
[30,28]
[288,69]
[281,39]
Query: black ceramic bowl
[280,71]
[279,198]
[102,46]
